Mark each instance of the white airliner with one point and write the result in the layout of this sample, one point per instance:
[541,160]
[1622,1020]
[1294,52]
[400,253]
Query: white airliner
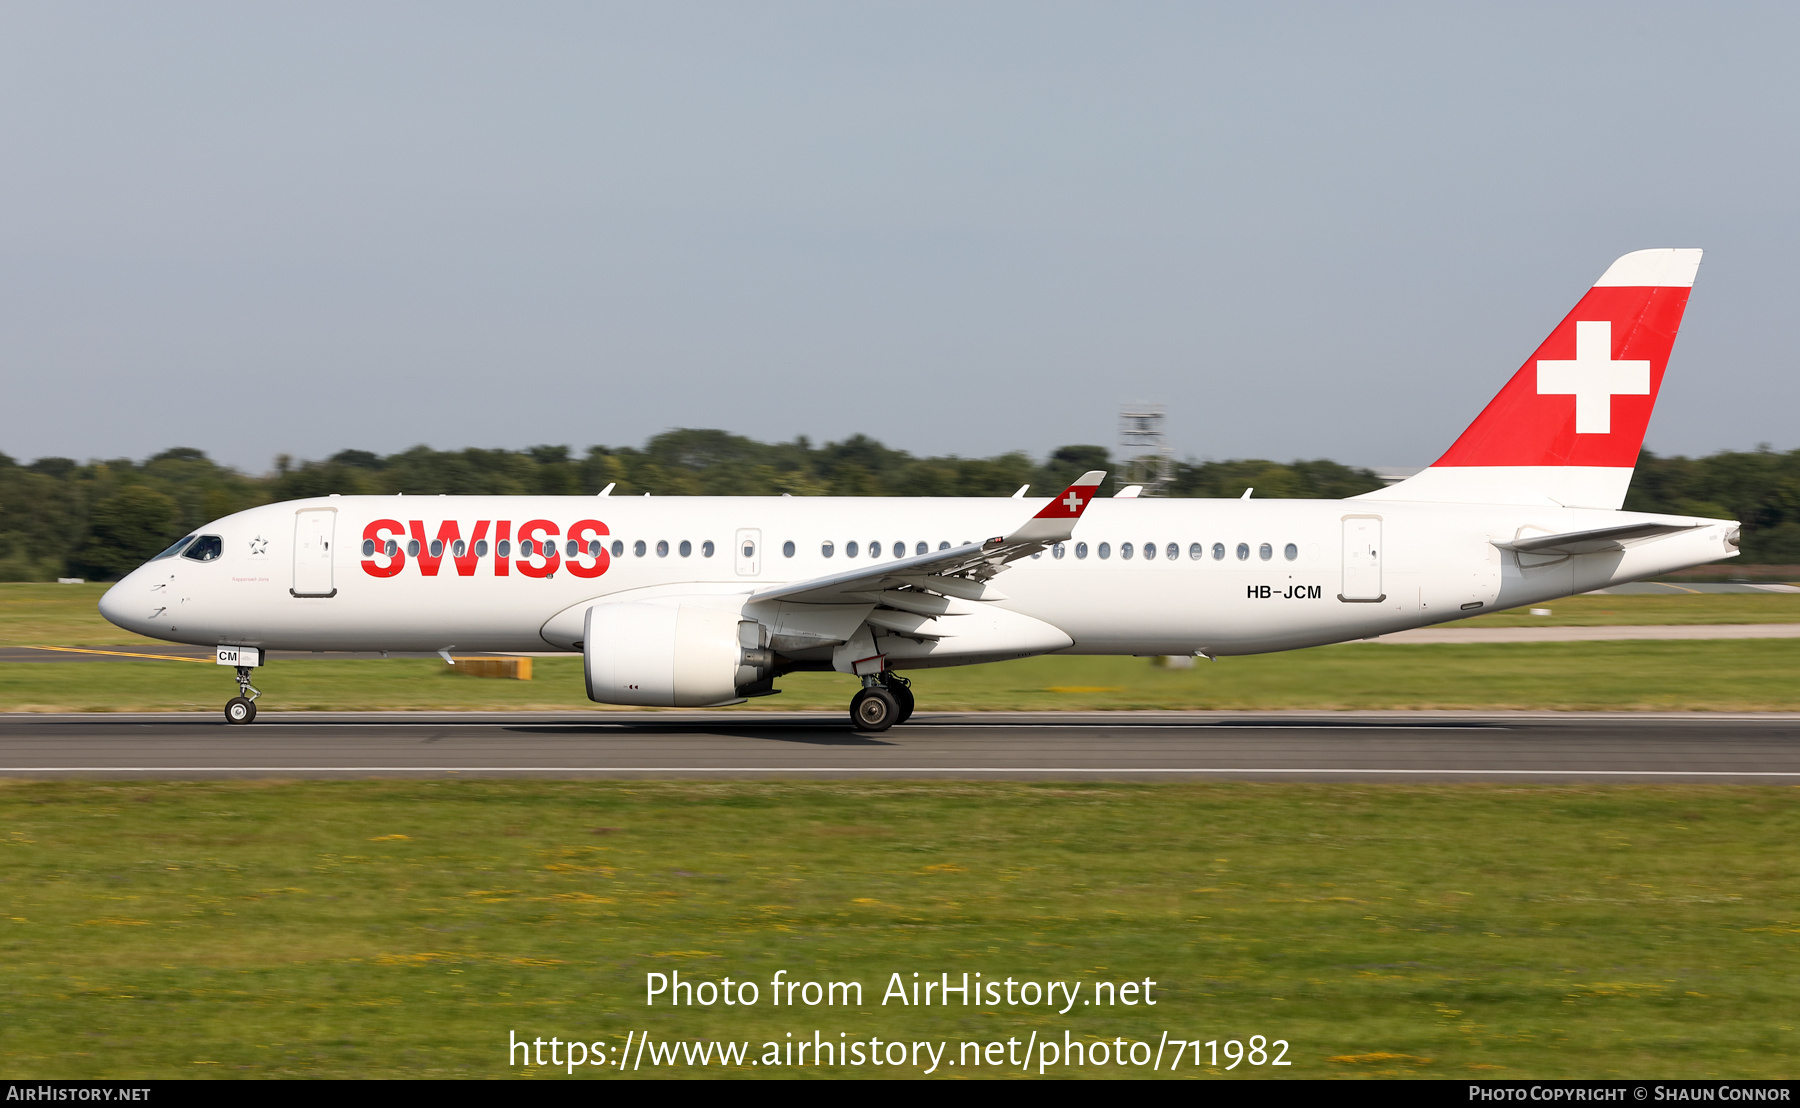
[696,601]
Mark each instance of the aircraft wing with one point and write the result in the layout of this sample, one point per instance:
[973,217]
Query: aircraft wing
[1590,542]
[962,572]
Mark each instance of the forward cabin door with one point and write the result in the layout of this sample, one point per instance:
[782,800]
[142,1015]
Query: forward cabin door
[312,552]
[749,551]
[1362,560]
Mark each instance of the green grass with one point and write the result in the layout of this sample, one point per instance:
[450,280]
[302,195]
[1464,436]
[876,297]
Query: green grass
[403,928]
[1706,675]
[33,614]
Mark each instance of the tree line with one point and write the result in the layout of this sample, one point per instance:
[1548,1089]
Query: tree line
[100,519]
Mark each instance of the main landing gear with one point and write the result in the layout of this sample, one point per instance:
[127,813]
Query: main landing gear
[885,700]
[241,708]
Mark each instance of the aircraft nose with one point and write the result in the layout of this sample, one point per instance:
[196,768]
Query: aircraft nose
[113,604]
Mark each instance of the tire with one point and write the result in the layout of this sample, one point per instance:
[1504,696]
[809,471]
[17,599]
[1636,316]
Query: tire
[239,711]
[903,696]
[873,709]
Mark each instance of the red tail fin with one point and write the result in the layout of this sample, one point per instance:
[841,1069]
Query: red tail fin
[1569,425]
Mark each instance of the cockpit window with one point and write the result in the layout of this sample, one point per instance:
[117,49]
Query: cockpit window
[174,550]
[206,548]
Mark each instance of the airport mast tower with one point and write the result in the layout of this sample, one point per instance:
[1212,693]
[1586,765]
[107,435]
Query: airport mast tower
[1143,444]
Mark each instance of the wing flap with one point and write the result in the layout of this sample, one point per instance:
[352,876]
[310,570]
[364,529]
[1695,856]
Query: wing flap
[908,624]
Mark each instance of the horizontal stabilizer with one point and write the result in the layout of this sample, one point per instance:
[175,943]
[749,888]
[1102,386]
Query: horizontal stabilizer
[1591,542]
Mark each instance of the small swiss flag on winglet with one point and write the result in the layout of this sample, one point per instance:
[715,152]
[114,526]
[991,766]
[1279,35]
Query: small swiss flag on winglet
[1072,501]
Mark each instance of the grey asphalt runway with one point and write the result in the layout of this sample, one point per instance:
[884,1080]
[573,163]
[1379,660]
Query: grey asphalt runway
[1281,746]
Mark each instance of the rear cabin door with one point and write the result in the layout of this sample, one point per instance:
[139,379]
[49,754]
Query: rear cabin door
[749,552]
[312,552]
[1362,560]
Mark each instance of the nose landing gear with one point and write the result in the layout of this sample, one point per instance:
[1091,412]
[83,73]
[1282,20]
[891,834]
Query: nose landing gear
[241,709]
[885,700]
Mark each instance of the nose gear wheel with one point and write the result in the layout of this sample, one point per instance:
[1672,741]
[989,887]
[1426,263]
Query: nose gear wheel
[241,709]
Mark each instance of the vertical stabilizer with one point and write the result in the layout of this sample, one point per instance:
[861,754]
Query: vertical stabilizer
[1568,427]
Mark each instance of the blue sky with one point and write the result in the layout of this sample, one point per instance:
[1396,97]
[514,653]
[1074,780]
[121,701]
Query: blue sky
[1311,230]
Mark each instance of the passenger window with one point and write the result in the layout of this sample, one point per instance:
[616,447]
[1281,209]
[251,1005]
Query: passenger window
[850,549]
[1149,552]
[874,550]
[1105,550]
[618,548]
[1173,552]
[206,548]
[368,549]
[787,549]
[481,548]
[1125,550]
[571,549]
[457,548]
[1243,551]
[828,548]
[1057,551]
[412,548]
[527,549]
[437,548]
[1265,552]
[1218,551]
[176,548]
[686,548]
[1081,550]
[1196,551]
[392,548]
[922,548]
[943,546]
[1290,552]
[594,548]
[706,549]
[504,549]
[638,548]
[662,548]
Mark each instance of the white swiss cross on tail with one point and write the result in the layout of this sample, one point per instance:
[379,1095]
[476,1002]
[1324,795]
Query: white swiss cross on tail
[1593,377]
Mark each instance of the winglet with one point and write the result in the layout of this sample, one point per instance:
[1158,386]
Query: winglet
[1072,501]
[1056,522]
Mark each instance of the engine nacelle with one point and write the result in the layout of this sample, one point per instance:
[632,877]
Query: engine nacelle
[669,655]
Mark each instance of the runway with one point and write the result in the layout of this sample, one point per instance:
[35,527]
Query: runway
[1277,746]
